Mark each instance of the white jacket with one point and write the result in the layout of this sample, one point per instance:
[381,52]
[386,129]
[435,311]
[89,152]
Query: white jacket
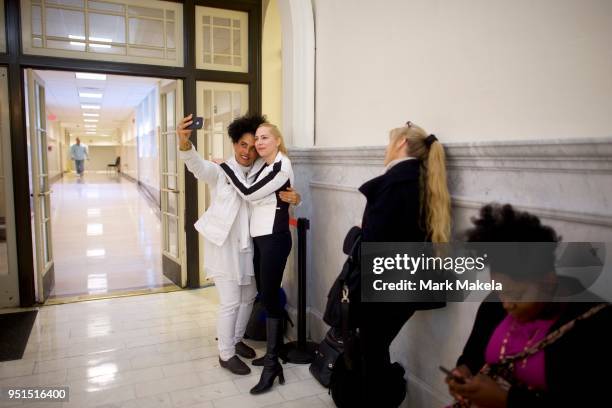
[228,248]
[270,214]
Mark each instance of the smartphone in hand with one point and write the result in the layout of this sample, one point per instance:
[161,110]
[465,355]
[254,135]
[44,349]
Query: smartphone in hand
[456,378]
[197,122]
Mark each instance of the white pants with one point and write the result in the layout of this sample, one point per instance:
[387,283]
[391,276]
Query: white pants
[235,305]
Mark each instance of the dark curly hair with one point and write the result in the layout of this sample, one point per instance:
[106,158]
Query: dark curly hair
[244,124]
[502,223]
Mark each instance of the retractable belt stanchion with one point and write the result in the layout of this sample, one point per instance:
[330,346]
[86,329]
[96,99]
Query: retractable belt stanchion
[301,351]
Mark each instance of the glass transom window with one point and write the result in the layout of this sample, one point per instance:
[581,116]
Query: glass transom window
[140,31]
[221,39]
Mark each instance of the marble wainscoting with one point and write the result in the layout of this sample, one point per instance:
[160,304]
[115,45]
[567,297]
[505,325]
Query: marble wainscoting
[568,183]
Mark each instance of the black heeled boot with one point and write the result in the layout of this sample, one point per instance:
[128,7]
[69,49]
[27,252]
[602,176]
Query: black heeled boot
[272,367]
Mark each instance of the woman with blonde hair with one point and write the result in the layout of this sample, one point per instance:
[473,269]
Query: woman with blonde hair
[410,202]
[269,227]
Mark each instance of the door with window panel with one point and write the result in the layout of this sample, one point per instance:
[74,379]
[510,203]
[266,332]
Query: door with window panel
[41,189]
[9,279]
[219,104]
[172,196]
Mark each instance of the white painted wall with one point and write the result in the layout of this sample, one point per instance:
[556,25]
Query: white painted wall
[147,126]
[129,156]
[100,157]
[467,70]
[54,147]
[298,83]
[272,75]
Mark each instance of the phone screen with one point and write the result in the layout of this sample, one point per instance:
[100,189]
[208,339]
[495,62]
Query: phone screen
[448,372]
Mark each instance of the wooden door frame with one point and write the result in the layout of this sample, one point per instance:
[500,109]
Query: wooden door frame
[15,62]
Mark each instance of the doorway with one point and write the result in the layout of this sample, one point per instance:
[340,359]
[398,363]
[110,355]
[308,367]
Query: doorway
[112,229]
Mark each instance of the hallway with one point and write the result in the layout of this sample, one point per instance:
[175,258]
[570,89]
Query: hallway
[146,352]
[106,236]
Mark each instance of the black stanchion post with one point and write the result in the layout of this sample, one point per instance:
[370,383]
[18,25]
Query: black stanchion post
[301,351]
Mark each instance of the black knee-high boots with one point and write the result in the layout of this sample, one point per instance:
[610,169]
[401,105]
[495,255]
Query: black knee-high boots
[272,368]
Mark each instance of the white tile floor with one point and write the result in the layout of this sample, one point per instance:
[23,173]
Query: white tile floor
[106,236]
[148,351]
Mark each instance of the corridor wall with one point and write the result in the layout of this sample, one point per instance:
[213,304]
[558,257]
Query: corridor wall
[54,149]
[467,70]
[518,92]
[101,156]
[129,154]
[148,144]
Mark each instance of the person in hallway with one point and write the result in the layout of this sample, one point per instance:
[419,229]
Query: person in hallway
[524,351]
[78,153]
[269,228]
[227,243]
[410,202]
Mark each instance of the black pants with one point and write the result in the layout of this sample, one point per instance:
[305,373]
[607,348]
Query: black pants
[380,323]
[270,258]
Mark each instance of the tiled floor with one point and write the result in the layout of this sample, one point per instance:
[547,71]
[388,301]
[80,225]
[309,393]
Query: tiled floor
[149,351]
[106,236]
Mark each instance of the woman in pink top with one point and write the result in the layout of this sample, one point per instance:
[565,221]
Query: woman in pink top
[524,351]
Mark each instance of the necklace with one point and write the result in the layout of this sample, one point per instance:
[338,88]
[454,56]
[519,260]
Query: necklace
[502,350]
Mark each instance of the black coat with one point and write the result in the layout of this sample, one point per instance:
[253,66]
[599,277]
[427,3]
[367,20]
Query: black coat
[577,366]
[392,212]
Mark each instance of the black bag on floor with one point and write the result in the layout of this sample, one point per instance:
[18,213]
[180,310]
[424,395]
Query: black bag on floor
[329,352]
[346,386]
[256,327]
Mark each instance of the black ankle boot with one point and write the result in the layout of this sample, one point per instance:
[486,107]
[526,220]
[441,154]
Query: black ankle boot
[259,362]
[272,367]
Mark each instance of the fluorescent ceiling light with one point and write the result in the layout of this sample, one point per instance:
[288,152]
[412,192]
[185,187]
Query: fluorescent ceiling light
[90,95]
[88,75]
[100,39]
[91,114]
[90,126]
[96,252]
[90,133]
[76,37]
[90,120]
[90,106]
[99,45]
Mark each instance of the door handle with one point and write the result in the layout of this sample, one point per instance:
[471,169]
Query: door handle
[170,190]
[45,193]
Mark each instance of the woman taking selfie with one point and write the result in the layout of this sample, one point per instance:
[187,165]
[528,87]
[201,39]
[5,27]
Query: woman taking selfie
[408,203]
[269,227]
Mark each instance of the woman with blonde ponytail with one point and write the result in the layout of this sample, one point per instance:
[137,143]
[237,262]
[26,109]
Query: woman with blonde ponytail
[408,203]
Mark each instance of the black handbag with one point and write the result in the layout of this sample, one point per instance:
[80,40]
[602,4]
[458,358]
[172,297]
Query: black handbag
[344,296]
[326,357]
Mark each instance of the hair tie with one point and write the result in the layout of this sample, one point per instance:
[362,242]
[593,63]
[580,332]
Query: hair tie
[430,139]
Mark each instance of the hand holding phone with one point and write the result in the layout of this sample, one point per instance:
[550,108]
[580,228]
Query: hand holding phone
[457,378]
[197,122]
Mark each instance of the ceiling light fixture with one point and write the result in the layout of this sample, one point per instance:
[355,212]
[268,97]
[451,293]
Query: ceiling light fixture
[90,107]
[90,95]
[89,75]
[90,120]
[91,114]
